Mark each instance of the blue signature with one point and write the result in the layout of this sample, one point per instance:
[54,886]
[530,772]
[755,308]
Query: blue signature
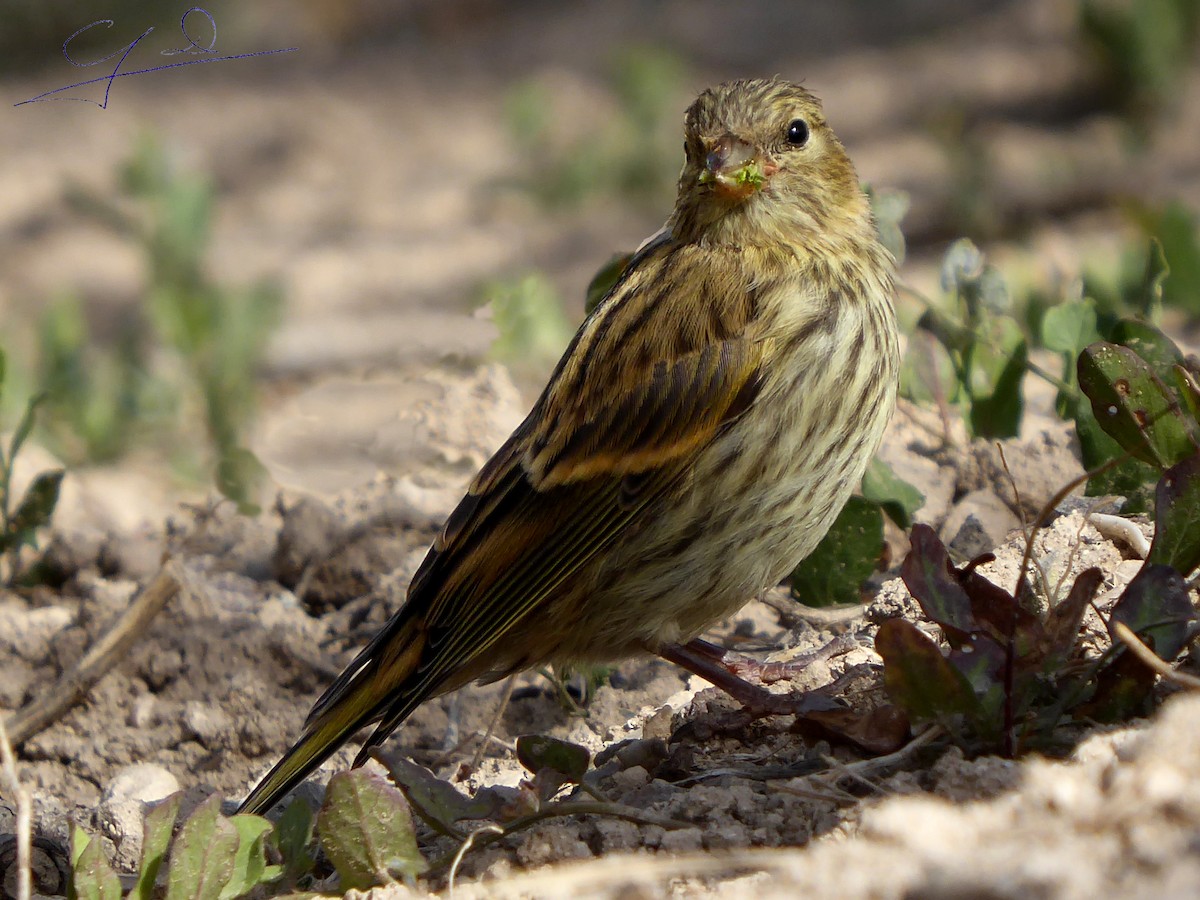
[192,48]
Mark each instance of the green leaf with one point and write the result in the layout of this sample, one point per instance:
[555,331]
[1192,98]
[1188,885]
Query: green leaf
[202,857]
[962,264]
[1122,690]
[529,316]
[917,676]
[996,412]
[250,868]
[1133,405]
[951,333]
[1151,345]
[293,838]
[1130,478]
[366,830]
[92,878]
[537,752]
[1157,271]
[1178,227]
[605,280]
[927,573]
[1189,389]
[156,836]
[25,426]
[1177,517]
[834,572]
[899,499]
[239,476]
[1069,327]
[890,207]
[250,862]
[37,506]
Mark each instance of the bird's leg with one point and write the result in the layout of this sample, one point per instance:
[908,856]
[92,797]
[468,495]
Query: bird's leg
[742,665]
[714,664]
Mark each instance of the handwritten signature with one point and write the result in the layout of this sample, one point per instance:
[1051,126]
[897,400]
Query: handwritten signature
[192,48]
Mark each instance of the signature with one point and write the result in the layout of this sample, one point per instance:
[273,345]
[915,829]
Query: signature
[193,48]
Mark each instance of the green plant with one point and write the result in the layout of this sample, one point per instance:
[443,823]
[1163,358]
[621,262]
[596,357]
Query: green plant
[980,356]
[533,329]
[20,521]
[102,401]
[1013,673]
[363,828]
[633,153]
[211,858]
[214,333]
[1144,47]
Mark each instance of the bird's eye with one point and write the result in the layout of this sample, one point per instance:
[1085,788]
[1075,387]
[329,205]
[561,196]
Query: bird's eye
[797,133]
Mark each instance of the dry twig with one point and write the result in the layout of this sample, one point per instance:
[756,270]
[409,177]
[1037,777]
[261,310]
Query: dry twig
[8,767]
[1152,659]
[74,684]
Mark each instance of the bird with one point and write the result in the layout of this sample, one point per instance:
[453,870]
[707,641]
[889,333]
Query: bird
[696,440]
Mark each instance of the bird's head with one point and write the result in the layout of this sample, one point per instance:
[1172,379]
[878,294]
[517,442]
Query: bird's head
[762,164]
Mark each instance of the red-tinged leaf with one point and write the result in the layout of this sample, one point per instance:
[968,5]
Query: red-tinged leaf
[884,729]
[1177,517]
[1156,607]
[1002,617]
[917,677]
[929,576]
[1122,689]
[981,661]
[1134,405]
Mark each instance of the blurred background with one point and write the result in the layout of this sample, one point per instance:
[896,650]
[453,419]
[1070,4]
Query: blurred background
[265,262]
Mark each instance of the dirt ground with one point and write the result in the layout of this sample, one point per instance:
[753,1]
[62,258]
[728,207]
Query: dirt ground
[372,186]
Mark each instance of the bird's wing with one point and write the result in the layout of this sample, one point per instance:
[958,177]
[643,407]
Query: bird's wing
[660,367]
[648,381]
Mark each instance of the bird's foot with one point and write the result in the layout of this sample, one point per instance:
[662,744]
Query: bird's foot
[726,670]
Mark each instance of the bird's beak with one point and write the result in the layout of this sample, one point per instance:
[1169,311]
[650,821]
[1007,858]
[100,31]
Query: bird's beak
[735,168]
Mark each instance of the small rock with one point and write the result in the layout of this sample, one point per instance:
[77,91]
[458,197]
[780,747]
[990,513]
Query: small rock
[122,811]
[310,531]
[206,723]
[1038,466]
[726,836]
[630,779]
[682,840]
[658,726]
[138,555]
[143,714]
[978,523]
[29,633]
[146,782]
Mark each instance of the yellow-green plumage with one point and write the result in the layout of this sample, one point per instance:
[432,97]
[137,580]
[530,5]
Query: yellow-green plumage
[695,442]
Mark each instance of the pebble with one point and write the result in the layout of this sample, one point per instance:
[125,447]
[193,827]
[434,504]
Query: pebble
[122,809]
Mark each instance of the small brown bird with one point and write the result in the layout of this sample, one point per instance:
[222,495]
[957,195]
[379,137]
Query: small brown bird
[695,442]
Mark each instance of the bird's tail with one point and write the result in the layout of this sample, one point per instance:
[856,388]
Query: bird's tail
[377,684]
